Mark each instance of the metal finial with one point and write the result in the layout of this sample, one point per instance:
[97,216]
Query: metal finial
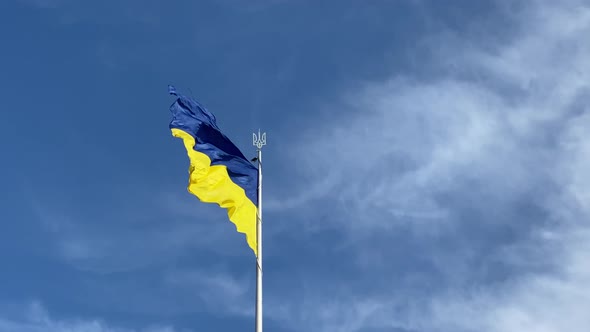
[260,140]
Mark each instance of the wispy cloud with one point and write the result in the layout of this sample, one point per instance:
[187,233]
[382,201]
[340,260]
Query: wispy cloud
[482,167]
[556,301]
[402,145]
[37,319]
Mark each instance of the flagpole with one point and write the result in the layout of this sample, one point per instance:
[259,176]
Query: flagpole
[259,141]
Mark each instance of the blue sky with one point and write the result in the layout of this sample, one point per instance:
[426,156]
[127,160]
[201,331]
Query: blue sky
[426,167]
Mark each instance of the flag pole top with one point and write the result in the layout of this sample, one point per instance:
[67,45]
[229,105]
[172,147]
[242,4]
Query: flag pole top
[259,140]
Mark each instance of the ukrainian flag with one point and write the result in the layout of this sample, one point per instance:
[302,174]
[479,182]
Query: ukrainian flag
[219,172]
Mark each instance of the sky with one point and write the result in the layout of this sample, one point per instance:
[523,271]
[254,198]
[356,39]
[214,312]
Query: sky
[426,167]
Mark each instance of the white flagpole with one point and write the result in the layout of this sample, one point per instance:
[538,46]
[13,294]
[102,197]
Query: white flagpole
[259,141]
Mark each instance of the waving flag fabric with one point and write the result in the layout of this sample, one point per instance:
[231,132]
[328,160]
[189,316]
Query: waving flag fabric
[219,172]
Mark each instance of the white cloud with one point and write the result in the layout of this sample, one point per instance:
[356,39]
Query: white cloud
[510,124]
[407,141]
[542,302]
[37,319]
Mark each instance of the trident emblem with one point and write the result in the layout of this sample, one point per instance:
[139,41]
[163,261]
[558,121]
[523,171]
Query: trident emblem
[260,140]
